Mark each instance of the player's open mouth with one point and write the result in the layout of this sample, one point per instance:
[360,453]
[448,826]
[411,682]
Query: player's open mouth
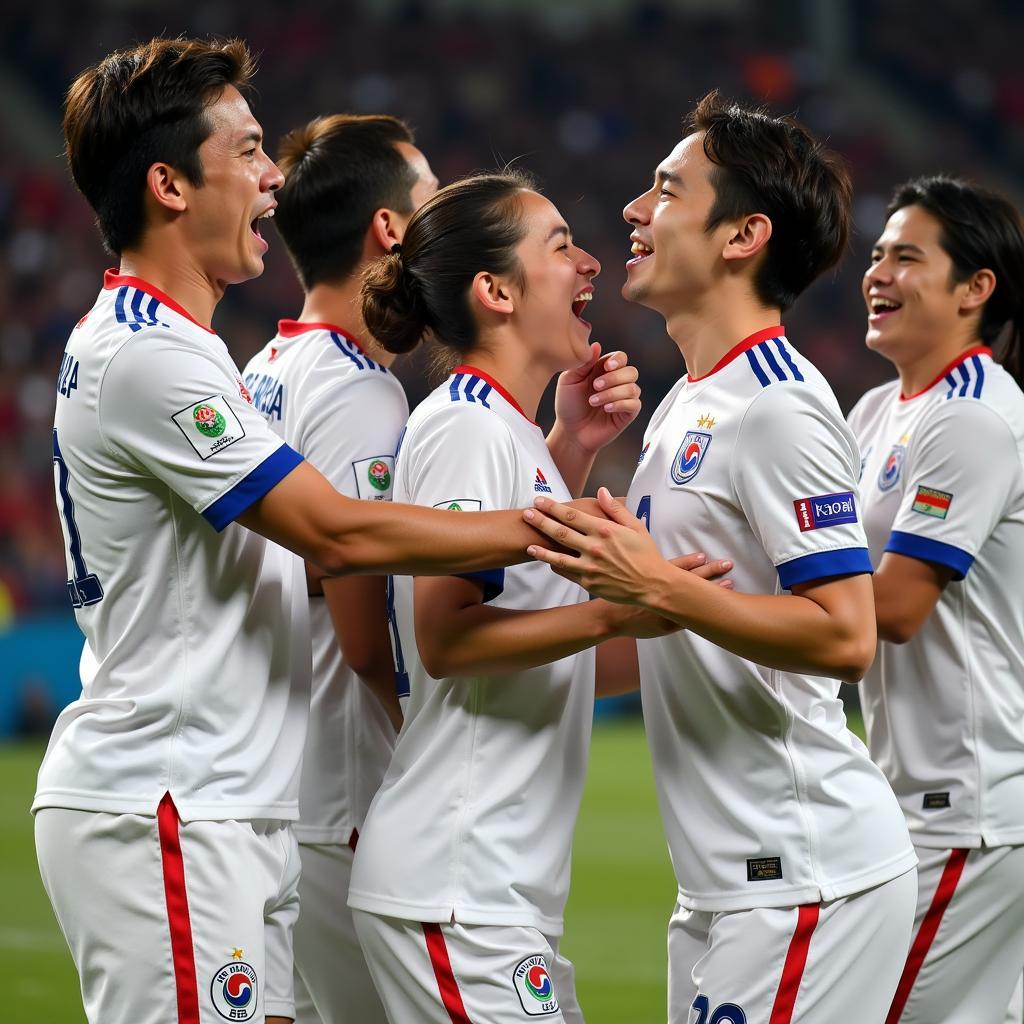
[254,225]
[882,307]
[640,251]
[580,303]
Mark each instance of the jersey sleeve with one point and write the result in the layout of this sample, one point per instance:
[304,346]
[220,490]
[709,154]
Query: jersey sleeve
[959,471]
[352,433]
[463,459]
[795,476]
[173,411]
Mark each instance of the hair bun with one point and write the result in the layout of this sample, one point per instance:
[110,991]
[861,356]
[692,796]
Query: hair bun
[393,307]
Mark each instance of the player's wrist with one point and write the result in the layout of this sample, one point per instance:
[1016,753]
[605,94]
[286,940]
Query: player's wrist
[667,592]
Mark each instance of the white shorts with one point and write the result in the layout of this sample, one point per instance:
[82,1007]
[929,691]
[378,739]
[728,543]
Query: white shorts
[968,951]
[172,921]
[332,982]
[467,974]
[823,963]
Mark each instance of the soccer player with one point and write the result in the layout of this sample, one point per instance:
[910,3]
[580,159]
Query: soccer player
[351,185]
[794,863]
[461,872]
[165,798]
[943,506]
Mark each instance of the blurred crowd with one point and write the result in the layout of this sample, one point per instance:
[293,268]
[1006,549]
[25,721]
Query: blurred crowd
[588,105]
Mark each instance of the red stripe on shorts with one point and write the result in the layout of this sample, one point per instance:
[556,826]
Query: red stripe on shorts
[446,983]
[926,935]
[177,913]
[796,961]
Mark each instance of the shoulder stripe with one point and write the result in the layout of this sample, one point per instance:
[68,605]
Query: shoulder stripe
[464,385]
[358,356]
[128,308]
[790,361]
[972,379]
[769,358]
[756,367]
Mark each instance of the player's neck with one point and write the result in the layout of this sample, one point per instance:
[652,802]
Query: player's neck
[181,279]
[516,370]
[920,369]
[706,333]
[339,304]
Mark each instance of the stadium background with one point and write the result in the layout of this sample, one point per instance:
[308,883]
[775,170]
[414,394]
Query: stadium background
[586,94]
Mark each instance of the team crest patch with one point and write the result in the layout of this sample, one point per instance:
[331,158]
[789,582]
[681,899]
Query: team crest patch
[374,477]
[460,505]
[889,474]
[209,426]
[234,991]
[534,988]
[930,502]
[690,456]
[540,483]
[825,510]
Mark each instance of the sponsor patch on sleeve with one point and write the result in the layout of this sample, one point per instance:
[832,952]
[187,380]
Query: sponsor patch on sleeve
[825,510]
[209,425]
[461,505]
[930,502]
[374,477]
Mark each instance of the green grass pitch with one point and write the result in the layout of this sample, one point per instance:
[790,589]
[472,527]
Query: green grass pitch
[621,898]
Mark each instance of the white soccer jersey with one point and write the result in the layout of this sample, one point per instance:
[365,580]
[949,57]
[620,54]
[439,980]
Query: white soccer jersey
[475,816]
[943,481]
[344,412]
[187,616]
[768,799]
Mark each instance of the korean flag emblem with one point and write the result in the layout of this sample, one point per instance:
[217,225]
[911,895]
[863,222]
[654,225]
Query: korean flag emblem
[687,462]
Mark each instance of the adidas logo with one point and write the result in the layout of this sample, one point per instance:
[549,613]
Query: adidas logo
[540,484]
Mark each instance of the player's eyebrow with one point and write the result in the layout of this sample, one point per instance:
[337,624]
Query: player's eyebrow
[253,135]
[561,229]
[661,177]
[899,247]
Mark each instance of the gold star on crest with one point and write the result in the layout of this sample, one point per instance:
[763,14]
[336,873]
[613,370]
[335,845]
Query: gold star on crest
[905,439]
[236,954]
[706,421]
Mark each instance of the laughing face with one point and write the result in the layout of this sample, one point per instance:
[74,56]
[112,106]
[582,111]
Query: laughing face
[236,195]
[674,257]
[909,289]
[558,278]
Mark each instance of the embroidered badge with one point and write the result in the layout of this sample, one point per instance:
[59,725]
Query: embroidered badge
[825,510]
[930,502]
[534,988]
[690,456]
[889,474]
[234,991]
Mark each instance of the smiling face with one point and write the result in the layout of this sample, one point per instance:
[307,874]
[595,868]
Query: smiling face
[237,191]
[558,275]
[912,299]
[674,258]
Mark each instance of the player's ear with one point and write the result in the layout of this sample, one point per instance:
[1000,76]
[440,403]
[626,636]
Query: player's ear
[492,292]
[386,228]
[748,237]
[167,187]
[978,289]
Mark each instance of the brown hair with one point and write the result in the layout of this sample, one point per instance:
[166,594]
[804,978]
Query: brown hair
[469,226]
[773,165]
[339,171]
[140,106]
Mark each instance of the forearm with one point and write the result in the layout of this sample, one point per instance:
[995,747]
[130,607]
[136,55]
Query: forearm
[380,681]
[791,633]
[574,463]
[618,669]
[481,640]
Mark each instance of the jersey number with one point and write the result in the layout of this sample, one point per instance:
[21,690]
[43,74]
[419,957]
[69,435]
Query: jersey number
[727,1013]
[643,511]
[84,586]
[401,675]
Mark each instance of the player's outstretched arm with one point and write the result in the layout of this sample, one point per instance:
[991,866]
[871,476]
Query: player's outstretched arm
[305,514]
[825,627]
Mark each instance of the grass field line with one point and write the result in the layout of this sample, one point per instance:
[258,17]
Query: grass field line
[31,940]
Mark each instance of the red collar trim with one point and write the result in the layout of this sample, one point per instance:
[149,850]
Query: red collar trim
[755,339]
[112,279]
[497,387]
[978,350]
[293,328]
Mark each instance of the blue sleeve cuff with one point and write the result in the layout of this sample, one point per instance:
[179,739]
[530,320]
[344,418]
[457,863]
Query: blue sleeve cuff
[492,580]
[270,472]
[926,550]
[822,564]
